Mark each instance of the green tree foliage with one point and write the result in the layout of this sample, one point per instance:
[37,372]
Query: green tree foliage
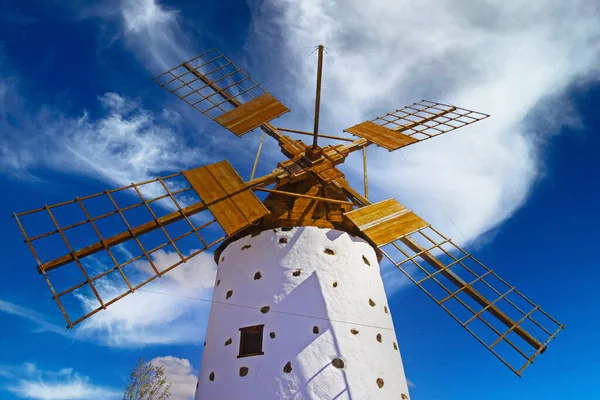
[147,382]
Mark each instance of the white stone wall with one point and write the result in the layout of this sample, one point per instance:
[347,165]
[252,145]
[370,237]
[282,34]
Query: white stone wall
[304,287]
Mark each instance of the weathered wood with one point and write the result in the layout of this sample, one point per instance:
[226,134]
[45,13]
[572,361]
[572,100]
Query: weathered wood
[226,196]
[471,292]
[385,221]
[253,114]
[125,236]
[341,138]
[381,136]
[305,196]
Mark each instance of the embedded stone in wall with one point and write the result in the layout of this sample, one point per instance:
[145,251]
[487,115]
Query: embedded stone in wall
[243,371]
[395,346]
[354,331]
[247,246]
[218,282]
[257,276]
[371,303]
[283,240]
[287,368]
[211,377]
[385,309]
[338,363]
[379,383]
[228,342]
[379,337]
[272,335]
[297,272]
[229,294]
[265,309]
[334,284]
[315,329]
[366,261]
[329,251]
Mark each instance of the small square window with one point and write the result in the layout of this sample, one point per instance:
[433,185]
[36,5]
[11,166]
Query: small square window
[251,339]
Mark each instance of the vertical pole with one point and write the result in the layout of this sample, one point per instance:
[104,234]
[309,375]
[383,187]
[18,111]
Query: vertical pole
[262,139]
[365,172]
[318,97]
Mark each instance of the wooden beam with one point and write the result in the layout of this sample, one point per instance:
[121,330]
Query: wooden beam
[366,182]
[305,196]
[266,127]
[318,96]
[472,293]
[124,236]
[455,279]
[147,227]
[320,135]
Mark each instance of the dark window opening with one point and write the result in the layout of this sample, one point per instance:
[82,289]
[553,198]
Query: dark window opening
[251,340]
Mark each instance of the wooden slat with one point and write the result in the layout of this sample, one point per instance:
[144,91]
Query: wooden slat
[253,114]
[385,221]
[381,136]
[226,196]
[245,200]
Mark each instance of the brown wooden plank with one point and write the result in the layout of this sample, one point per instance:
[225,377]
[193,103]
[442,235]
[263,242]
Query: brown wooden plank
[217,200]
[253,114]
[381,136]
[364,216]
[385,221]
[245,200]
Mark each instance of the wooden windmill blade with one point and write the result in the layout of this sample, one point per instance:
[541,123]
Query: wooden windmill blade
[219,89]
[102,247]
[508,324]
[415,123]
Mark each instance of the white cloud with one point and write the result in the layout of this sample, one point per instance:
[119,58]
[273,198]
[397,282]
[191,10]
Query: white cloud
[139,319]
[127,143]
[507,58]
[29,382]
[153,33]
[33,316]
[180,374]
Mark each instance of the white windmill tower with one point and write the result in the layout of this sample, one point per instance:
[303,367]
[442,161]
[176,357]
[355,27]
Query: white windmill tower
[299,308]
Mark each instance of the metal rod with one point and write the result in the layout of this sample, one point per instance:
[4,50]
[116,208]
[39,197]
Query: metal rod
[262,139]
[306,196]
[319,135]
[318,96]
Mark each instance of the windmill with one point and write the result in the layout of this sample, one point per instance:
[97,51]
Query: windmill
[299,308]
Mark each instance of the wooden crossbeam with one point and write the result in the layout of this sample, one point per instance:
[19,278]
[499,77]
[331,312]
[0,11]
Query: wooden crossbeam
[471,292]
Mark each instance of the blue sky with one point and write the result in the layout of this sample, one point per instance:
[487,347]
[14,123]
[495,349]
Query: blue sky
[79,114]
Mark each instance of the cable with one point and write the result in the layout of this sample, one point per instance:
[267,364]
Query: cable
[256,308]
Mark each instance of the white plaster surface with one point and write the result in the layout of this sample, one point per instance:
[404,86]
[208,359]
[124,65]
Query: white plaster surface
[297,304]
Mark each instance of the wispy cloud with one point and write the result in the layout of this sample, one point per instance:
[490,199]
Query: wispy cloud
[180,374]
[139,319]
[126,143]
[38,319]
[511,59]
[131,322]
[27,381]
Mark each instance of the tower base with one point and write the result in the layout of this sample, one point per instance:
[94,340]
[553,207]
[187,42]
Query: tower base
[300,313]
